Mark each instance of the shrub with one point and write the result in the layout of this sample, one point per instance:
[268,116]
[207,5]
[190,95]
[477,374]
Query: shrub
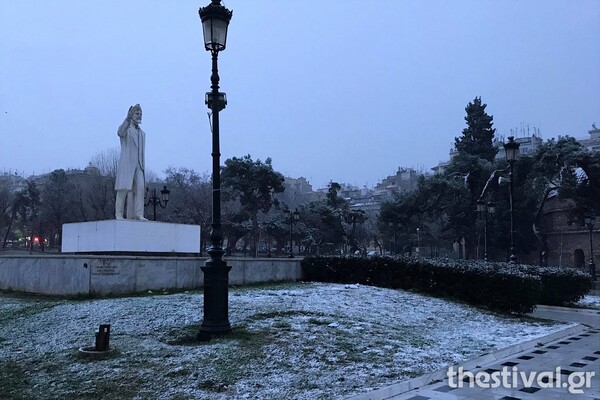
[560,285]
[502,287]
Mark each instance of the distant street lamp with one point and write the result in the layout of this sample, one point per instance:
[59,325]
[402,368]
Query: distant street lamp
[291,217]
[156,201]
[215,21]
[353,217]
[418,241]
[394,227]
[484,209]
[511,150]
[589,221]
[270,226]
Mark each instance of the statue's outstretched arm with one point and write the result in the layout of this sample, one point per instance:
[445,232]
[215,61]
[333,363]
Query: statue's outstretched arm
[122,131]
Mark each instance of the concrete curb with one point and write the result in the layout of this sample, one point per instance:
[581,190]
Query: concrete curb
[439,375]
[591,311]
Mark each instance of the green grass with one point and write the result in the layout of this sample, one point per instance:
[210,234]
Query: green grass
[182,335]
[319,321]
[112,353]
[273,338]
[25,311]
[293,285]
[13,381]
[120,387]
[285,314]
[188,335]
[233,362]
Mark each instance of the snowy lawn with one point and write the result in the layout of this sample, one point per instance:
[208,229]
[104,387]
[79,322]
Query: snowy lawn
[290,341]
[589,301]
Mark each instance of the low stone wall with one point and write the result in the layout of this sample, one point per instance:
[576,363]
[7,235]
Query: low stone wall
[86,274]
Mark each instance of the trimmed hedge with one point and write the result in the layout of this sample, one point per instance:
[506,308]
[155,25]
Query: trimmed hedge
[497,286]
[560,286]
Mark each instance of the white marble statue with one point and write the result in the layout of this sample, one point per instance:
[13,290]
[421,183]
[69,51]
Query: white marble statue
[130,181]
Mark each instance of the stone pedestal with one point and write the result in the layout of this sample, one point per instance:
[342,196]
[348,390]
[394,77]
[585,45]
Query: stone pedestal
[130,236]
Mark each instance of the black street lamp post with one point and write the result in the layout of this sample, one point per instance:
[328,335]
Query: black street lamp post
[394,227]
[589,221]
[511,150]
[353,217]
[485,209]
[156,201]
[215,21]
[292,216]
[269,246]
[269,229]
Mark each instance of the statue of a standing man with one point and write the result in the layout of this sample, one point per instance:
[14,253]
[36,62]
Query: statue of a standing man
[130,180]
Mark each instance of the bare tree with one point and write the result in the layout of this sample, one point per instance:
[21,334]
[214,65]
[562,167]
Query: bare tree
[101,199]
[6,200]
[151,177]
[191,196]
[106,161]
[25,208]
[58,204]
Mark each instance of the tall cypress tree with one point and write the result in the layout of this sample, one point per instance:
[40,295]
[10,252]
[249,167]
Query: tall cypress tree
[478,136]
[473,163]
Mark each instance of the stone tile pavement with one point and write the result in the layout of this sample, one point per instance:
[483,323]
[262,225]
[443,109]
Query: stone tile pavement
[553,367]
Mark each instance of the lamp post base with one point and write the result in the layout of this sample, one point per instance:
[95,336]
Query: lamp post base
[216,293]
[593,271]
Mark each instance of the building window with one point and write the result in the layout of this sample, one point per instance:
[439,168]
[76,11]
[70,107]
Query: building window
[578,258]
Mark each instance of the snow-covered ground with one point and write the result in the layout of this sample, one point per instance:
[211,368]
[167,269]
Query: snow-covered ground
[290,341]
[589,301]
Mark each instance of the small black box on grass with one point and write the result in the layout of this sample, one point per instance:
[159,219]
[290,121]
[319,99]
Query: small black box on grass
[103,338]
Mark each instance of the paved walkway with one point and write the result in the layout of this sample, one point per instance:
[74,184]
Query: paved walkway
[565,357]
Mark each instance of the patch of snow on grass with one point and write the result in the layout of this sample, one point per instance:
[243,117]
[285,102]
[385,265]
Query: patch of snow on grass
[589,301]
[292,341]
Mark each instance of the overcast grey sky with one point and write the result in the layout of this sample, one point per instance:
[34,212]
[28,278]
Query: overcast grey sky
[339,90]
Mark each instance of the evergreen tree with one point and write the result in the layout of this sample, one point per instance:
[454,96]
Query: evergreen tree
[324,219]
[472,165]
[567,165]
[253,184]
[478,136]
